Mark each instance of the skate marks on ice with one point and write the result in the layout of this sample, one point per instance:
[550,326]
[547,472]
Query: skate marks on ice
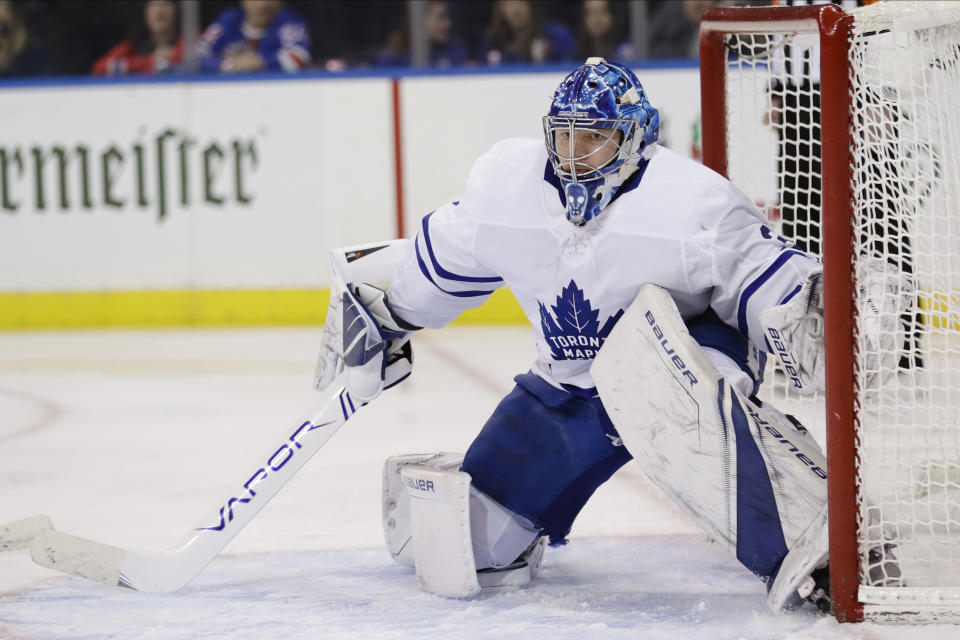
[657,587]
[25,413]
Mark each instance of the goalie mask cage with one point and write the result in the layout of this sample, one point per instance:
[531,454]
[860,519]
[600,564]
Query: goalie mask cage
[843,127]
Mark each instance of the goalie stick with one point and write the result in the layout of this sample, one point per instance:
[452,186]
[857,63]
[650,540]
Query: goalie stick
[20,534]
[172,569]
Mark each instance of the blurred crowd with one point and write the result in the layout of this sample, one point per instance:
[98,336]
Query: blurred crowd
[111,37]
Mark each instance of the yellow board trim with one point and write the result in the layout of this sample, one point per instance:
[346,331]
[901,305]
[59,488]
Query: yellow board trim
[273,307]
[941,310]
[227,308]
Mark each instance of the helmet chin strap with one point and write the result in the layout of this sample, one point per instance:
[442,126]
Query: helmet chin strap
[582,202]
[578,203]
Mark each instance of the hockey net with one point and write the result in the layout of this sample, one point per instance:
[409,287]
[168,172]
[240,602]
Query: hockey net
[843,128]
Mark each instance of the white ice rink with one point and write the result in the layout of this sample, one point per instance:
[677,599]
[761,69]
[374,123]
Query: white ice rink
[127,437]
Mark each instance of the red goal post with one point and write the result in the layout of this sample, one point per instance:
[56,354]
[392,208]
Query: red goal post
[858,159]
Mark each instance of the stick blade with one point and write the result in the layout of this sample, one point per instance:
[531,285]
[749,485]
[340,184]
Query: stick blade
[20,534]
[79,556]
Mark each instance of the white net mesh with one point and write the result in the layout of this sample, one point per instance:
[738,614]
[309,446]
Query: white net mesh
[905,141]
[773,155]
[905,64]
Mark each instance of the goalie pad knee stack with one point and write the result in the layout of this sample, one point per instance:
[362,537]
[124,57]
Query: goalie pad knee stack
[397,529]
[436,522]
[442,543]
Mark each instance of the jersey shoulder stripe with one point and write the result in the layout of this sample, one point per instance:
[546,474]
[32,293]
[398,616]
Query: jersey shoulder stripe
[759,281]
[440,271]
[457,294]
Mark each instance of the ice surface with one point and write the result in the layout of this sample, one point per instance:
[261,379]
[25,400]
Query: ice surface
[126,437]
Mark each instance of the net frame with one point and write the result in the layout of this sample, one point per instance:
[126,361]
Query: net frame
[834,29]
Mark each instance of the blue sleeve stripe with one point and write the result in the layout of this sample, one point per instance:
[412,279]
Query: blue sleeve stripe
[458,294]
[759,282]
[791,294]
[443,273]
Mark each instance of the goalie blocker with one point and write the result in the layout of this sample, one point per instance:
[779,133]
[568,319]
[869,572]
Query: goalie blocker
[361,335]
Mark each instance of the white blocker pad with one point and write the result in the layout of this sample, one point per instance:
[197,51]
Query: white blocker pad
[442,544]
[373,262]
[397,528]
[681,420]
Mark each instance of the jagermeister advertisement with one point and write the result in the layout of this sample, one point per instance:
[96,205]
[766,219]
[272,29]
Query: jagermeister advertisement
[188,185]
[154,171]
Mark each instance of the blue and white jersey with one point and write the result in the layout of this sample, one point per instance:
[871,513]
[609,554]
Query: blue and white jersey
[676,224]
[284,45]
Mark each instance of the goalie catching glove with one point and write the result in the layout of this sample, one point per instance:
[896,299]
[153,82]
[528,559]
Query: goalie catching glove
[794,332]
[365,337]
[886,293]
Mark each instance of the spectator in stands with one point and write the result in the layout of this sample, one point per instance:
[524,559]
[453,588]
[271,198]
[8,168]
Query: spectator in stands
[444,49]
[154,46]
[258,35]
[603,31]
[18,55]
[518,34]
[675,28]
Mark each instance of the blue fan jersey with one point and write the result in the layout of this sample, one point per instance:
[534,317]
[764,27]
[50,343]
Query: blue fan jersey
[284,45]
[678,225]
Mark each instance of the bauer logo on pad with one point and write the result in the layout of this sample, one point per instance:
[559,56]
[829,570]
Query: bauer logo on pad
[419,484]
[668,350]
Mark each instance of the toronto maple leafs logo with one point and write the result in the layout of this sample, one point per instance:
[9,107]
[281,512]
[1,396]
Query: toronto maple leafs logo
[573,330]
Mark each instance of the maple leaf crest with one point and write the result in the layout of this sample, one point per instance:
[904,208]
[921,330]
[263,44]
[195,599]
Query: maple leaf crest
[573,330]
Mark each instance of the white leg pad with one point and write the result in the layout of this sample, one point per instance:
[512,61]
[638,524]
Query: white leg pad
[397,529]
[507,548]
[660,390]
[440,515]
[673,410]
[797,469]
[800,490]
[809,552]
